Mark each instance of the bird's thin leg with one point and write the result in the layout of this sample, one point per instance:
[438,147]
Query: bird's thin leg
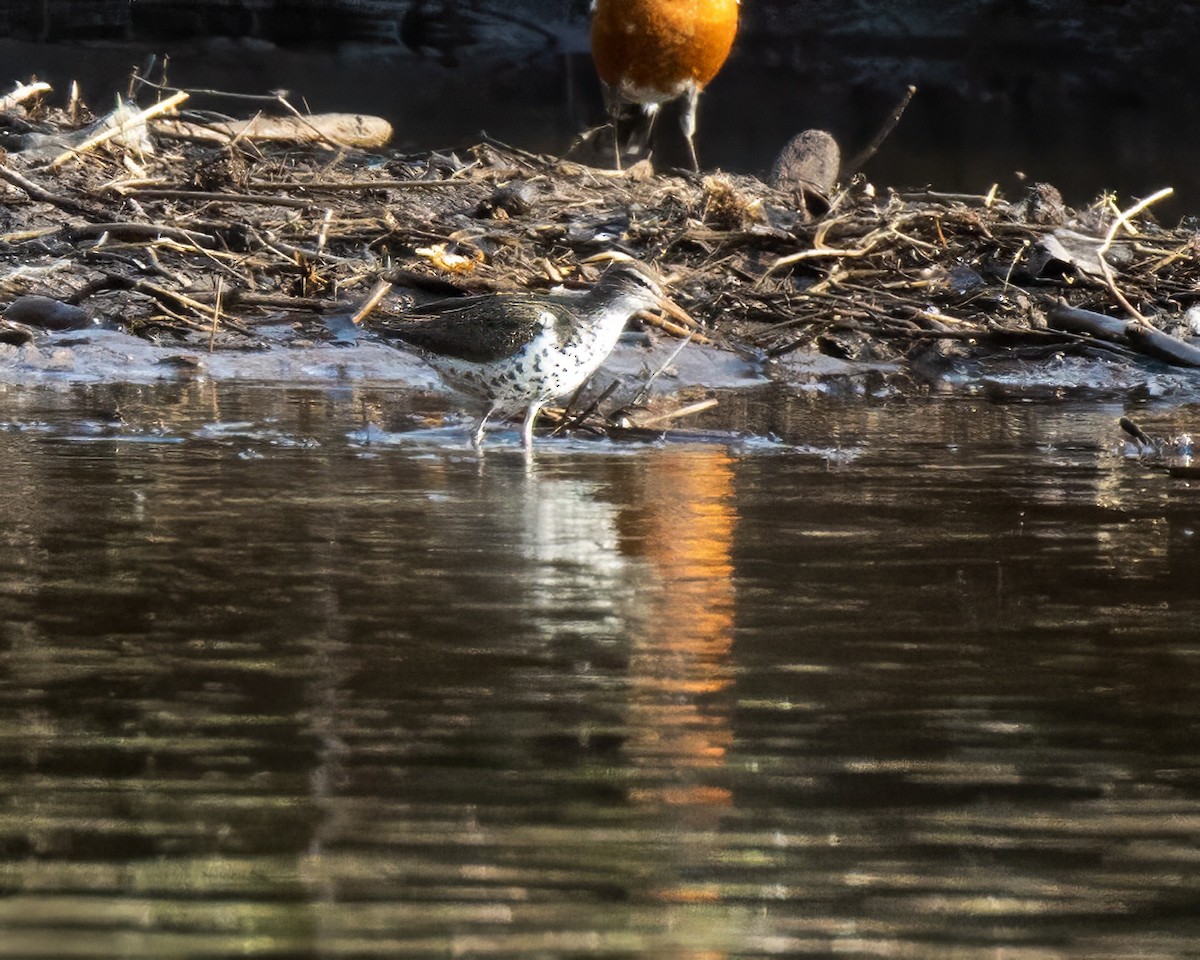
[688,121]
[615,120]
[527,427]
[612,105]
[650,110]
[477,437]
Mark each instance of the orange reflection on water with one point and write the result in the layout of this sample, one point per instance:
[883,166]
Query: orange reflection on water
[682,525]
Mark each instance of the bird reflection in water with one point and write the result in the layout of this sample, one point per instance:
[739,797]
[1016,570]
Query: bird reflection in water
[620,620]
[656,555]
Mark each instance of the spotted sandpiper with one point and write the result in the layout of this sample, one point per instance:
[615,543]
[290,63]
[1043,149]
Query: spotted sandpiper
[515,350]
[650,52]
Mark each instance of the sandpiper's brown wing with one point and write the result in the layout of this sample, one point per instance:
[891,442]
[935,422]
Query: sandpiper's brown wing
[475,329]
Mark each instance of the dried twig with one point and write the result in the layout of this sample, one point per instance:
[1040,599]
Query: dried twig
[216,315]
[140,231]
[1124,216]
[46,196]
[381,290]
[1111,283]
[339,129]
[208,196]
[662,368]
[129,123]
[857,162]
[350,186]
[687,411]
[22,92]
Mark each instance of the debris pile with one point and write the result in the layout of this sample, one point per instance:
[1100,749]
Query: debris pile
[191,228]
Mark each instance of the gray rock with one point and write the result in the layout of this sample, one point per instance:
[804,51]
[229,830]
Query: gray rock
[810,160]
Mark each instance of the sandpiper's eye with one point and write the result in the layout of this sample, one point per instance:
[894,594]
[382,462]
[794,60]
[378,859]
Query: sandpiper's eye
[637,276]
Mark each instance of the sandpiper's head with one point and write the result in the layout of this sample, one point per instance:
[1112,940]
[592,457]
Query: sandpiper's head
[629,278]
[630,286]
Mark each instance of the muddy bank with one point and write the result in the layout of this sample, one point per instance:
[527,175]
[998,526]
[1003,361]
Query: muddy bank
[202,236]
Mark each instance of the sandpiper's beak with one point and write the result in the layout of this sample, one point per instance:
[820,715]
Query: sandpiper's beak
[675,321]
[677,313]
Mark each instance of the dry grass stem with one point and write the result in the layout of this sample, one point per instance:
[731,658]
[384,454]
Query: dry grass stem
[127,124]
[22,92]
[688,411]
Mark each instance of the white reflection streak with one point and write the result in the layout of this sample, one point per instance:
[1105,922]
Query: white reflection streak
[577,576]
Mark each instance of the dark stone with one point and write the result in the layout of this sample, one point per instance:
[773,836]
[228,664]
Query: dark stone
[812,160]
[15,334]
[510,200]
[45,313]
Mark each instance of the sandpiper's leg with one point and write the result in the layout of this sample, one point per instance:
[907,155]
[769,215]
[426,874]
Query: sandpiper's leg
[527,428]
[688,122]
[477,437]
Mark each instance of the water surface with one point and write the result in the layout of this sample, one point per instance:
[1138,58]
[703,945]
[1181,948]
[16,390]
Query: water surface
[917,680]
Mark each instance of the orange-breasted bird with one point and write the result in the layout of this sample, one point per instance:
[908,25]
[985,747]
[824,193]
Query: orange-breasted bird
[649,52]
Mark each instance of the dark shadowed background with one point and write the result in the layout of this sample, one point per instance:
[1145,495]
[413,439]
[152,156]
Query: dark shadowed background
[1091,95]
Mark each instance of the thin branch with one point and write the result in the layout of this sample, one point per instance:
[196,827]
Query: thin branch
[129,123]
[22,92]
[860,159]
[1124,216]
